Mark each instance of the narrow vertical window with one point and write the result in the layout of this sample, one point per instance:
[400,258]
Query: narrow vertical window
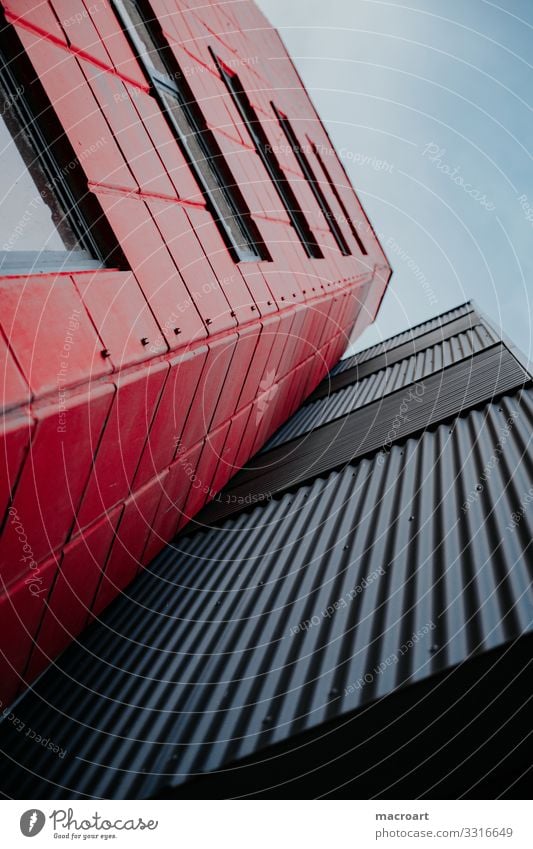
[335,191]
[49,221]
[269,159]
[309,175]
[197,142]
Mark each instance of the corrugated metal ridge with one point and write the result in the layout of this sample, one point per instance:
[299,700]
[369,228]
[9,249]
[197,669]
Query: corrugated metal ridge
[371,428]
[393,341]
[382,383]
[209,657]
[388,358]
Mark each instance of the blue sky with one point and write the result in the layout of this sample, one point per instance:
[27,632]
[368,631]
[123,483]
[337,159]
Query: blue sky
[431,105]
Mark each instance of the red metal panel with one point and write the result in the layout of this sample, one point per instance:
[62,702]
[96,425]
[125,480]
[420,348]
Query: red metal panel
[130,134]
[270,409]
[133,530]
[38,15]
[50,332]
[20,614]
[255,280]
[226,466]
[236,376]
[72,593]
[79,29]
[169,516]
[15,435]
[164,141]
[166,431]
[14,390]
[260,358]
[201,483]
[241,301]
[78,112]
[203,286]
[281,339]
[122,442]
[122,317]
[290,352]
[158,276]
[115,41]
[53,477]
[210,393]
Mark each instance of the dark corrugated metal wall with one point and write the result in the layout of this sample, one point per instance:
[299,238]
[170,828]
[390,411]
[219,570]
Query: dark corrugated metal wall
[233,642]
[408,411]
[384,381]
[406,336]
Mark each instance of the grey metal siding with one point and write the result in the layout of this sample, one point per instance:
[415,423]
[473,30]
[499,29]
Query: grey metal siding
[374,427]
[383,382]
[406,335]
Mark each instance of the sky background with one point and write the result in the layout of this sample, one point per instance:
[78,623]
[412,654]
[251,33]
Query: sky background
[389,79]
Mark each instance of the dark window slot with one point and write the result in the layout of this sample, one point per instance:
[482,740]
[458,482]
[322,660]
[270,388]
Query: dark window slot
[335,191]
[309,175]
[198,144]
[49,219]
[269,159]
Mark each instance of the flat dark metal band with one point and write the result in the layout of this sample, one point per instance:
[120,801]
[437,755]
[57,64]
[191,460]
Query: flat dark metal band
[394,355]
[375,427]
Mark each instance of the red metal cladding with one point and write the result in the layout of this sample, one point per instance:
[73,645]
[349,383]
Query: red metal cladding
[125,323]
[175,489]
[201,490]
[132,395]
[131,537]
[50,332]
[123,441]
[71,596]
[209,401]
[21,611]
[204,286]
[14,390]
[53,478]
[165,434]
[14,441]
[162,284]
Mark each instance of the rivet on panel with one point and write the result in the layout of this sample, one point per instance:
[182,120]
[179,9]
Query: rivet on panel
[144,341]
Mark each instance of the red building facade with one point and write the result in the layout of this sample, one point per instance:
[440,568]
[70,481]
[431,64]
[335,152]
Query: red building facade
[183,261]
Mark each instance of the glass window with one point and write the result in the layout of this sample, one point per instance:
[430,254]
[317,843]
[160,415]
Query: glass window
[198,143]
[36,231]
[335,191]
[309,175]
[270,160]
